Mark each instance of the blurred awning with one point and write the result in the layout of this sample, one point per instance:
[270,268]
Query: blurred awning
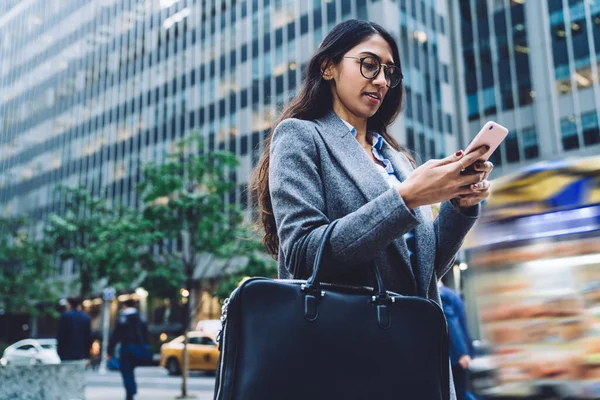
[545,187]
[544,200]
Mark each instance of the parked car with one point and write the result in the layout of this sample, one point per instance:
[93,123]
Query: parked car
[31,352]
[202,349]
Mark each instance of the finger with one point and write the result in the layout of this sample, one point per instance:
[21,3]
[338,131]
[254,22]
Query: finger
[465,180]
[480,186]
[471,190]
[470,158]
[483,166]
[472,198]
[450,159]
[470,201]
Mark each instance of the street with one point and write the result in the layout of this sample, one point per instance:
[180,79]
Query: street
[153,384]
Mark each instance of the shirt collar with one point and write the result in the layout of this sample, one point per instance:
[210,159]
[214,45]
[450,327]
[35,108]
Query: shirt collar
[377,138]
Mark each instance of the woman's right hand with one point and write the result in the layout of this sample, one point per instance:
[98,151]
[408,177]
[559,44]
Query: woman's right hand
[440,180]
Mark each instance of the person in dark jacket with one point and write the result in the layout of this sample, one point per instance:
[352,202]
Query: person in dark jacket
[131,332]
[74,332]
[461,344]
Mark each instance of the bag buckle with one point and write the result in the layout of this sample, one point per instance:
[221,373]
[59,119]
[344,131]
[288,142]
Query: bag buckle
[382,303]
[312,295]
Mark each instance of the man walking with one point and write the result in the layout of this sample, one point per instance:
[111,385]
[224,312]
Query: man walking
[461,344]
[74,332]
[131,332]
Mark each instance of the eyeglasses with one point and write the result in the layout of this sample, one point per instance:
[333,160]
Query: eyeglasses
[371,66]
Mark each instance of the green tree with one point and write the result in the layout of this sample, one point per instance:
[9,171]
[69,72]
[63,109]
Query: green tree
[184,199]
[26,286]
[104,243]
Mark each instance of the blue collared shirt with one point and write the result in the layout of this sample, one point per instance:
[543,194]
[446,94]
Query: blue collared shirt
[392,180]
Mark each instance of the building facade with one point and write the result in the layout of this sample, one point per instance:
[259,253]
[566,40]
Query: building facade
[532,66]
[92,90]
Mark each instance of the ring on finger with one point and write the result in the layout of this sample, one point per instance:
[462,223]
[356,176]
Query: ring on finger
[462,165]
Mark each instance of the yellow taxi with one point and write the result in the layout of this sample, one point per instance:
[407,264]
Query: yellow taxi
[202,349]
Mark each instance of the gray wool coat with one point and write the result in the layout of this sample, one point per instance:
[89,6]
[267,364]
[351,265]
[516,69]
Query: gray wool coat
[319,173]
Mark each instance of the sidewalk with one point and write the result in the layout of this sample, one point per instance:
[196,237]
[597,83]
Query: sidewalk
[143,394]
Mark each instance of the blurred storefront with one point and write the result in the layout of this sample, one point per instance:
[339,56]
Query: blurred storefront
[534,281]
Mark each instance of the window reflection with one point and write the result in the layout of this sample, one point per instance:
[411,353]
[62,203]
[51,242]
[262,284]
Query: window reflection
[583,77]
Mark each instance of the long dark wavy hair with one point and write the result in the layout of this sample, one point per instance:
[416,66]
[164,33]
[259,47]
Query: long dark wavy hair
[314,100]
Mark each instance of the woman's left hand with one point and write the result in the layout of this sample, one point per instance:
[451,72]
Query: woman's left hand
[480,191]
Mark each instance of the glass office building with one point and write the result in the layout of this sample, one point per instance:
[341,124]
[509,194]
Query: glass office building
[532,66]
[92,90]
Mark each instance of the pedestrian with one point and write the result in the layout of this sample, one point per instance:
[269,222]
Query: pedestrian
[331,157]
[131,332]
[74,338]
[461,344]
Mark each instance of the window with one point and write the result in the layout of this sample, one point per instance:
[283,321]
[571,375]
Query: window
[512,147]
[568,128]
[521,54]
[506,93]
[530,143]
[596,31]
[559,45]
[589,124]
[554,5]
[581,49]
[193,340]
[583,77]
[563,86]
[489,101]
[473,107]
[207,341]
[361,9]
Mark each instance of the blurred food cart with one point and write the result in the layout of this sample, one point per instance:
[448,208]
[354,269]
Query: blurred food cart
[535,268]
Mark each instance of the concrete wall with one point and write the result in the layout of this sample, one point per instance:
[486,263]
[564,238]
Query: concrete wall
[43,382]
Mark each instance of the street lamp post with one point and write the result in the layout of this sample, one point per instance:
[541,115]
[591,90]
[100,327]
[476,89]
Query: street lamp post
[108,296]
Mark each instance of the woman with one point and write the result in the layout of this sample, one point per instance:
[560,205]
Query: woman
[331,158]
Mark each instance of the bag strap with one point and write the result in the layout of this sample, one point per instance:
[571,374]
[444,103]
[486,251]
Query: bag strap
[313,281]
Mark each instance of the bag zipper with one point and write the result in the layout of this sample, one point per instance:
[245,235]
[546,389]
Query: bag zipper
[221,340]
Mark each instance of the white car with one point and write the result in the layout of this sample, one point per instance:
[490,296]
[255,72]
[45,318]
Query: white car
[209,326]
[31,352]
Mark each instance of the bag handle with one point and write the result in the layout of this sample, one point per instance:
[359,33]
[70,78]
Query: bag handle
[312,282]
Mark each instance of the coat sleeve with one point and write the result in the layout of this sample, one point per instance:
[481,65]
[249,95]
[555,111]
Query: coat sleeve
[451,227]
[87,340]
[457,339]
[61,336]
[115,338]
[297,196]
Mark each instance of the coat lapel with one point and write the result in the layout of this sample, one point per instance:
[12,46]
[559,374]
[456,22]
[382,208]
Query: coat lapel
[359,167]
[424,232]
[352,158]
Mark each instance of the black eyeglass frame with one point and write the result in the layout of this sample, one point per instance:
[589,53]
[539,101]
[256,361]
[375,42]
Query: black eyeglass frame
[385,73]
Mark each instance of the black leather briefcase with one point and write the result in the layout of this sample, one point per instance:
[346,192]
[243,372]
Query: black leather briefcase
[293,340]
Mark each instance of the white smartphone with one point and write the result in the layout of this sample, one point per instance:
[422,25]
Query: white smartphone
[492,134]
